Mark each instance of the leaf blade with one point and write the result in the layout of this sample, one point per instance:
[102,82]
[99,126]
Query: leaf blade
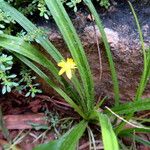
[109,138]
[74,44]
[131,107]
[66,142]
[108,51]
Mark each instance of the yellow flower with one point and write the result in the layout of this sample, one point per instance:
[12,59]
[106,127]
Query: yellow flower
[67,66]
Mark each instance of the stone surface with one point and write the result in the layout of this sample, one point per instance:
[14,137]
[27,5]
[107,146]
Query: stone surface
[123,37]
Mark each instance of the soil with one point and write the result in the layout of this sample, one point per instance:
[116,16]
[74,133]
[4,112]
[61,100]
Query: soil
[19,111]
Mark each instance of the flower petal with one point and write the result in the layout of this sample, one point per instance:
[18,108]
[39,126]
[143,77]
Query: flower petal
[61,64]
[69,73]
[61,71]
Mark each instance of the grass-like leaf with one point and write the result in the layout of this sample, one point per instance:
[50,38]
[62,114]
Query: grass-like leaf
[51,84]
[145,74]
[131,107]
[67,141]
[107,48]
[140,140]
[74,44]
[127,131]
[30,27]
[18,45]
[41,39]
[109,138]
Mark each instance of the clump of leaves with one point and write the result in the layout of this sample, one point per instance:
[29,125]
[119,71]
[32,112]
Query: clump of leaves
[32,35]
[41,5]
[73,3]
[7,79]
[26,84]
[4,19]
[104,3]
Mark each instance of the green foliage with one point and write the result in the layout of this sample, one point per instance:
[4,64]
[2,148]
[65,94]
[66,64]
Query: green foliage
[44,12]
[82,103]
[145,75]
[77,92]
[76,49]
[108,51]
[4,20]
[6,78]
[73,3]
[27,83]
[104,3]
[33,35]
[67,141]
[9,81]
[132,107]
[108,135]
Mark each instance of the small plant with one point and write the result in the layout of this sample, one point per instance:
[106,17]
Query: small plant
[78,89]
[4,20]
[26,84]
[104,3]
[73,3]
[44,12]
[7,79]
[10,81]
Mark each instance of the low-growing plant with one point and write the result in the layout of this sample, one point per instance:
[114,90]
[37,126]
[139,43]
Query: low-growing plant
[27,84]
[10,81]
[77,87]
[6,78]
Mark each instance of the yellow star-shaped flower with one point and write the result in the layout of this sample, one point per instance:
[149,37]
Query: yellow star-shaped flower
[67,66]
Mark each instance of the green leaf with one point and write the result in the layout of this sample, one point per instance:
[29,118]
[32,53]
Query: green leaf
[4,89]
[109,138]
[140,140]
[144,77]
[131,107]
[42,40]
[125,132]
[52,84]
[107,48]
[18,45]
[74,44]
[30,27]
[29,51]
[67,141]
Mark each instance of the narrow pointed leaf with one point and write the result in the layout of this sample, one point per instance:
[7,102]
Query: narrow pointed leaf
[66,142]
[107,48]
[109,138]
[52,84]
[18,45]
[41,39]
[131,107]
[30,27]
[74,44]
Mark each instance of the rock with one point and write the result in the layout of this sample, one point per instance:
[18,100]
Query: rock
[125,46]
